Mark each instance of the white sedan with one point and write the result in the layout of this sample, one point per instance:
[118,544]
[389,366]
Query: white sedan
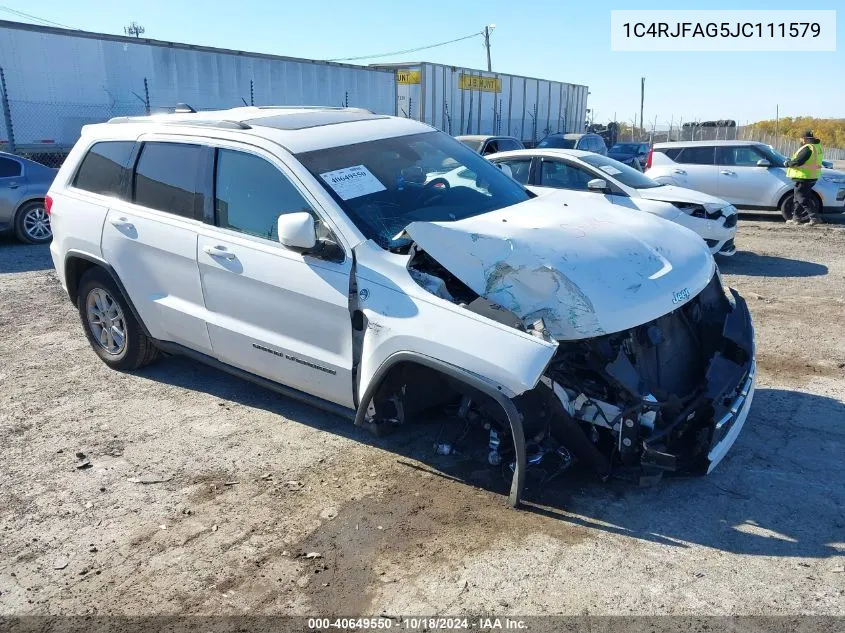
[586,174]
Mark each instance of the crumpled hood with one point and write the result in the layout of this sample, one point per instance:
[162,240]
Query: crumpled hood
[586,269]
[671,193]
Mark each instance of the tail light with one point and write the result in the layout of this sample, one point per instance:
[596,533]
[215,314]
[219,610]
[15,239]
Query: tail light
[649,157]
[48,204]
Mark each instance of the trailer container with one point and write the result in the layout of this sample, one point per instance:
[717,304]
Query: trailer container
[469,101]
[57,80]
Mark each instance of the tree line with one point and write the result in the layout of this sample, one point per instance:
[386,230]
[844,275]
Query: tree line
[831,132]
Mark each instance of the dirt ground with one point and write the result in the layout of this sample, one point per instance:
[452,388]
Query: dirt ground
[205,493]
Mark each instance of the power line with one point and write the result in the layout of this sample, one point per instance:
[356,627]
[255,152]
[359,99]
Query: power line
[408,50]
[36,18]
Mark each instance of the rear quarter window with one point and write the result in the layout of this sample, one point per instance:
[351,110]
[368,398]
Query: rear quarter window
[697,155]
[669,152]
[9,168]
[105,168]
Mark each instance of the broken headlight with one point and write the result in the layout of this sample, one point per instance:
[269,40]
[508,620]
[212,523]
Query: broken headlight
[725,289]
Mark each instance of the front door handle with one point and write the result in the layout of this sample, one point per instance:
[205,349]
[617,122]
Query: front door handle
[219,251]
[121,223]
[727,172]
[13,185]
[681,172]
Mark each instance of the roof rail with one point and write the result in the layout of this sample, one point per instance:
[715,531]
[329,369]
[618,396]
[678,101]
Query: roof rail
[307,107]
[219,123]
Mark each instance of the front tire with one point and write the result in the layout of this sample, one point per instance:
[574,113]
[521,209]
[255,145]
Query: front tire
[32,224]
[787,205]
[113,332]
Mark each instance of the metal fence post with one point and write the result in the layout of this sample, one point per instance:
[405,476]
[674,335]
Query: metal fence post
[7,113]
[146,97]
[251,92]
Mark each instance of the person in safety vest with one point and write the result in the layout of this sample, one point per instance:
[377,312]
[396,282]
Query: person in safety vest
[804,168]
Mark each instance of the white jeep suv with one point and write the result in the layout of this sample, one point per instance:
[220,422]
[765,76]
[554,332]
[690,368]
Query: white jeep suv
[746,174]
[311,250]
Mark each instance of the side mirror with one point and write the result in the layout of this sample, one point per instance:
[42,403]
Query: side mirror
[597,184]
[297,230]
[763,163]
[506,169]
[827,164]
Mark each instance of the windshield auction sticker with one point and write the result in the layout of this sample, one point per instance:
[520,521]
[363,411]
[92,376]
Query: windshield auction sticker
[723,30]
[352,182]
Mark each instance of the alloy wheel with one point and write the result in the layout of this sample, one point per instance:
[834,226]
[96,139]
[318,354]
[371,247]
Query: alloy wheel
[36,224]
[106,321]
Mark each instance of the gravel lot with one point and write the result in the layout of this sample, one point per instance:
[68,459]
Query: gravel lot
[204,492]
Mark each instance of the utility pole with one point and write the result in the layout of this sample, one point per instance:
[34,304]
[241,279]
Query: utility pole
[134,29]
[487,30]
[642,101]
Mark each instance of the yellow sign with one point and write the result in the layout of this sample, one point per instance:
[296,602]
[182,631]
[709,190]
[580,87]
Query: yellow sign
[485,84]
[407,76]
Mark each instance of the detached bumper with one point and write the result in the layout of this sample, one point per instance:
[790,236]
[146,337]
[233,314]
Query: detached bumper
[700,438]
[730,424]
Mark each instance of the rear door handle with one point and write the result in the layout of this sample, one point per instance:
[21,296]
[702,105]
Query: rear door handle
[727,172]
[681,171]
[121,223]
[219,251]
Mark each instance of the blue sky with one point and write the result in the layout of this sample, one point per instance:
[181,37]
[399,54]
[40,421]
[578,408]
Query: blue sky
[562,40]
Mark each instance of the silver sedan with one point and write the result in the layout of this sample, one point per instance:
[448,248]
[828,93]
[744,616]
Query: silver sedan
[23,188]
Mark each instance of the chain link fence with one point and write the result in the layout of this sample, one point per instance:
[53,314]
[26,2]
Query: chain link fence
[785,145]
[46,132]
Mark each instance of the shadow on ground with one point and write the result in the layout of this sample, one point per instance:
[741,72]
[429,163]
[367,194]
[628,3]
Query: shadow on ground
[754,265]
[835,219]
[779,492]
[22,258]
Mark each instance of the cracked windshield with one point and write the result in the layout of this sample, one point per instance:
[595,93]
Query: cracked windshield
[385,185]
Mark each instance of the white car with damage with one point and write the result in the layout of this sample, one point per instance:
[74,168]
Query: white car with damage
[316,252]
[589,175]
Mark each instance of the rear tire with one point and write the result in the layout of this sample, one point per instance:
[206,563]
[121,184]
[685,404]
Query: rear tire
[112,330]
[32,224]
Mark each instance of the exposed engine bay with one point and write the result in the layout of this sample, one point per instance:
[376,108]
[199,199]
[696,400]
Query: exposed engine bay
[659,397]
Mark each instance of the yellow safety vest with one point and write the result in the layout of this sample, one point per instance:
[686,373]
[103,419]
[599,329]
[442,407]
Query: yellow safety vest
[812,169]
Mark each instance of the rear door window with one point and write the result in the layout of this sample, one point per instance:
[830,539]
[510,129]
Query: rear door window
[167,178]
[697,155]
[105,168]
[9,168]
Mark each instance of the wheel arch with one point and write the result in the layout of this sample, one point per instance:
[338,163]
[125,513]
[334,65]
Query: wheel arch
[28,200]
[790,191]
[467,378]
[76,264]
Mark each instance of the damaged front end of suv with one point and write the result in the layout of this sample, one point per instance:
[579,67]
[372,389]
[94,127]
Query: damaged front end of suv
[654,366]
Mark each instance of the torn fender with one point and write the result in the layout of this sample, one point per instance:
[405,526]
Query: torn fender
[400,316]
[586,269]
